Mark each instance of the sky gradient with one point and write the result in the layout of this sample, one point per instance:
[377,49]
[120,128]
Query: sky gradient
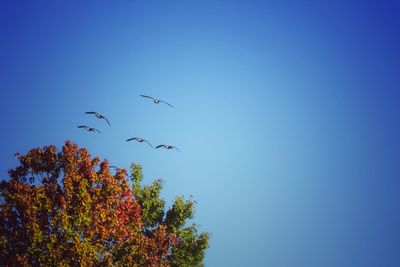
[287,114]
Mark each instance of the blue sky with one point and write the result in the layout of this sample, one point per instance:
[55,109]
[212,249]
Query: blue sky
[287,114]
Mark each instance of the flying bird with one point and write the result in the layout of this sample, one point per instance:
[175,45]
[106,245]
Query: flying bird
[98,115]
[89,129]
[156,101]
[140,140]
[168,147]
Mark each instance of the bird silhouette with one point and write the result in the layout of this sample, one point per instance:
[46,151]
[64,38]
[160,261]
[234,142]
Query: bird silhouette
[157,101]
[89,129]
[167,147]
[140,140]
[98,115]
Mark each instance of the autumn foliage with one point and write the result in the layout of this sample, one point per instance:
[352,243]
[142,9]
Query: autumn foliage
[64,208]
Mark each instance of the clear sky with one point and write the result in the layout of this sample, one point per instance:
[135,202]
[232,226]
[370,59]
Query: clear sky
[287,114]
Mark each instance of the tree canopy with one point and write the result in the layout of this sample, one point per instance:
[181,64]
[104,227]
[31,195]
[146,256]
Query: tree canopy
[65,208]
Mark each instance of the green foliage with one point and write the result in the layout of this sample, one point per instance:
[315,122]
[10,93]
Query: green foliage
[148,198]
[190,247]
[178,214]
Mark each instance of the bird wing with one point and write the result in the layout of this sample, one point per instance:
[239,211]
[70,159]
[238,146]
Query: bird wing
[106,120]
[91,112]
[130,139]
[159,146]
[147,96]
[148,143]
[176,148]
[96,130]
[167,103]
[82,126]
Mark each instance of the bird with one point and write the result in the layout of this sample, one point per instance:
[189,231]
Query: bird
[156,101]
[167,147]
[98,115]
[89,129]
[140,140]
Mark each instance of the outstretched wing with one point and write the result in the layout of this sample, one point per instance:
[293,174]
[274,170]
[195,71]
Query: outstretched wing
[159,146]
[148,143]
[106,120]
[83,126]
[91,112]
[146,96]
[94,129]
[176,148]
[167,103]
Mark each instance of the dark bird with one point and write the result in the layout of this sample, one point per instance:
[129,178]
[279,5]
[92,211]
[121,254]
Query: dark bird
[140,140]
[89,129]
[168,147]
[156,101]
[98,115]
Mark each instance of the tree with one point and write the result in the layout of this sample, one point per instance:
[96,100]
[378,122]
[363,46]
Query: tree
[67,209]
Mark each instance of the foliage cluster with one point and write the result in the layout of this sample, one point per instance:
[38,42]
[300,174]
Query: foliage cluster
[67,209]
